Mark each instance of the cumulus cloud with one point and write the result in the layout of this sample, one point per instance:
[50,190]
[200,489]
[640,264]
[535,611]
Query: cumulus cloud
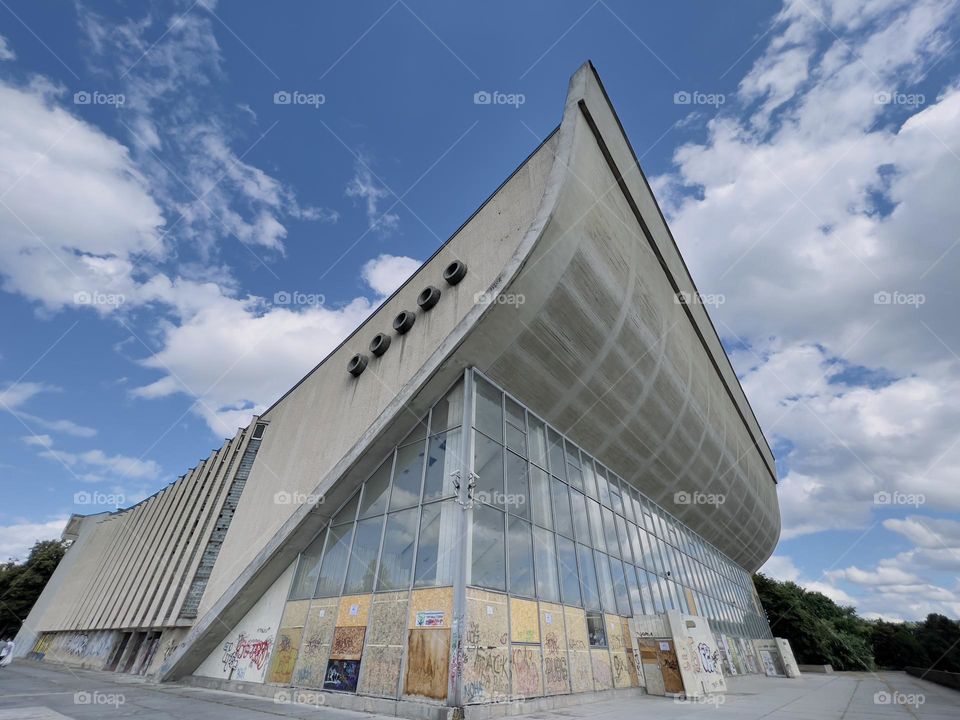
[385,273]
[365,187]
[5,52]
[18,537]
[14,395]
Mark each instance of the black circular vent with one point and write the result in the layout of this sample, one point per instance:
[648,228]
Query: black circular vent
[357,364]
[379,344]
[455,272]
[404,321]
[429,297]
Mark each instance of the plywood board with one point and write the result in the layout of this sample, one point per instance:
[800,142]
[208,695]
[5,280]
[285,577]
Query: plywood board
[623,669]
[556,670]
[525,671]
[614,630]
[428,658]
[354,611]
[295,614]
[388,620]
[432,601]
[487,622]
[286,648]
[347,643]
[486,675]
[600,661]
[576,626]
[524,621]
[311,666]
[380,670]
[581,671]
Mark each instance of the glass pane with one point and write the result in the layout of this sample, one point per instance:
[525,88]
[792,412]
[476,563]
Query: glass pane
[540,497]
[624,538]
[615,494]
[443,459]
[488,567]
[348,513]
[569,581]
[574,477]
[603,487]
[589,478]
[580,524]
[437,545]
[334,561]
[557,461]
[606,582]
[488,465]
[376,489]
[308,569]
[545,558]
[610,532]
[620,586]
[598,638]
[635,544]
[588,578]
[634,589]
[448,413]
[518,486]
[516,440]
[396,565]
[489,411]
[407,476]
[363,556]
[521,558]
[561,508]
[538,442]
[419,432]
[515,414]
[651,599]
[596,525]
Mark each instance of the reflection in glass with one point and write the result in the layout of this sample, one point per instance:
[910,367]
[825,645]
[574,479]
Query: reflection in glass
[397,564]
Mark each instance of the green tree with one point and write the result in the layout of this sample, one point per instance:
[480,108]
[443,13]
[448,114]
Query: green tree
[22,583]
[940,638]
[896,645]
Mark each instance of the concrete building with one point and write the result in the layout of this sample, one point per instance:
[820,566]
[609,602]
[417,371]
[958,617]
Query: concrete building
[531,475]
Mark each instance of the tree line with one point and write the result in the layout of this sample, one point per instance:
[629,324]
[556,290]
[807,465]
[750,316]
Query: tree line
[22,582]
[822,632]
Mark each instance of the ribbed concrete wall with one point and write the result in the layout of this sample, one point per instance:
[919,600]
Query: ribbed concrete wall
[132,569]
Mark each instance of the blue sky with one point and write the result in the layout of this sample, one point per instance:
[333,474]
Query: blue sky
[159,201]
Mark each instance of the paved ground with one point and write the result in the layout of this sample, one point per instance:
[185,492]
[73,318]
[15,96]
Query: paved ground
[43,692]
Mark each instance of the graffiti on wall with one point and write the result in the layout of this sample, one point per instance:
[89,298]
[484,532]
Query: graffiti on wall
[245,652]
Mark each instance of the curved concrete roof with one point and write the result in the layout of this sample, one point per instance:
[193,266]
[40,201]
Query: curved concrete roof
[600,347]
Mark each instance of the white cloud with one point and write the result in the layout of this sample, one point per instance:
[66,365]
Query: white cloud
[39,440]
[781,567]
[5,52]
[364,186]
[95,465]
[385,273]
[17,538]
[13,395]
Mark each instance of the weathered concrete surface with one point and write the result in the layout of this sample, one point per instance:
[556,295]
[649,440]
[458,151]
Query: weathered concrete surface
[28,690]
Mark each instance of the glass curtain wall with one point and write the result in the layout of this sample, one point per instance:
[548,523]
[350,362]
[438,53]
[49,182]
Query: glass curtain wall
[399,528]
[551,522]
